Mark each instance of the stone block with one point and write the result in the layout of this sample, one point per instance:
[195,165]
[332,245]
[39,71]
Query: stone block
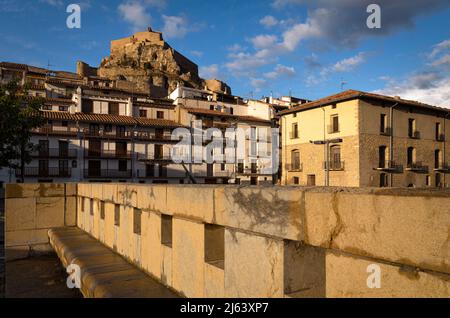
[188,257]
[152,198]
[71,211]
[214,282]
[253,266]
[20,214]
[194,202]
[167,271]
[49,212]
[272,211]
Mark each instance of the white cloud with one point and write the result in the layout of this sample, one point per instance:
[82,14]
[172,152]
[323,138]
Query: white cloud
[55,3]
[135,13]
[444,61]
[437,95]
[280,71]
[197,53]
[349,64]
[263,41]
[175,26]
[438,48]
[235,48]
[258,83]
[209,72]
[269,21]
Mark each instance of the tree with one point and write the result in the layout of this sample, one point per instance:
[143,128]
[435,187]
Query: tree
[19,114]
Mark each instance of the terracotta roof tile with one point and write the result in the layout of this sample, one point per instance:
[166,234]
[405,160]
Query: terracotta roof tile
[208,112]
[109,119]
[354,94]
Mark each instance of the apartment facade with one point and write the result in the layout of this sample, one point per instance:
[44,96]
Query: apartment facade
[359,139]
[97,132]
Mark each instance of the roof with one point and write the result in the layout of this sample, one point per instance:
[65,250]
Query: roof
[208,112]
[109,119]
[354,94]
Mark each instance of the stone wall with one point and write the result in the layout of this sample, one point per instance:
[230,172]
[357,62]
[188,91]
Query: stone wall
[228,241]
[31,210]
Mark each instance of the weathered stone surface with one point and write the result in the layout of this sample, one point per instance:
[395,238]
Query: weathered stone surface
[188,257]
[28,190]
[152,198]
[49,212]
[347,276]
[20,214]
[273,211]
[253,266]
[193,202]
[214,282]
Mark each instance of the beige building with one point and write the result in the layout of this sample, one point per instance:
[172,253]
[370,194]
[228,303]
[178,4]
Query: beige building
[370,140]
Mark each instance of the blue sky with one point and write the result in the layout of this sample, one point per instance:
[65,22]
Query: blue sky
[257,47]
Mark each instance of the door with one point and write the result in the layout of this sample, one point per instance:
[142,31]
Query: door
[94,129]
[159,133]
[150,171]
[382,157]
[121,131]
[87,106]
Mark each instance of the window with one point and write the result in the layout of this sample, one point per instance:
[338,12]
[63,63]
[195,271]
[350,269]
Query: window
[64,123]
[383,180]
[62,108]
[143,113]
[335,154]
[296,180]
[63,168]
[211,107]
[334,124]
[294,132]
[150,170]
[295,160]
[123,165]
[411,156]
[113,108]
[91,207]
[428,181]
[294,115]
[222,166]
[160,115]
[117,215]
[102,210]
[231,111]
[121,131]
[333,106]
[162,171]
[383,123]
[159,152]
[166,230]
[215,245]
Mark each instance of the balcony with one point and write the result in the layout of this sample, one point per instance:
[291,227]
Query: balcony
[386,132]
[107,174]
[108,154]
[55,153]
[91,133]
[414,134]
[334,165]
[45,173]
[58,131]
[389,166]
[443,167]
[417,167]
[294,167]
[440,137]
[144,135]
[153,157]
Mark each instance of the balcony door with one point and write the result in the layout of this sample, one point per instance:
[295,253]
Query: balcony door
[159,152]
[121,149]
[94,168]
[63,168]
[335,153]
[63,149]
[43,168]
[95,148]
[209,170]
[382,157]
[43,148]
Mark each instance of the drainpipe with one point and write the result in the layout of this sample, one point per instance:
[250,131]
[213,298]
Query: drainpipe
[391,140]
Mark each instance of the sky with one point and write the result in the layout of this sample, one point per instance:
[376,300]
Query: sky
[309,49]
